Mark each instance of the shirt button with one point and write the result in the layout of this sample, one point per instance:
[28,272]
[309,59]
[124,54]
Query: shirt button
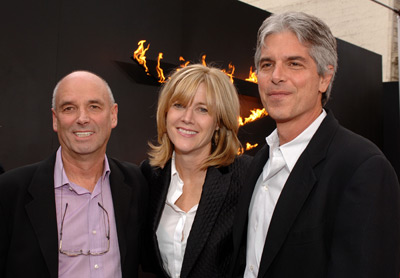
[94,232]
[266,187]
[96,266]
[251,268]
[70,188]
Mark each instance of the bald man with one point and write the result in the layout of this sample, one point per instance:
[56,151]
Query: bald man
[78,213]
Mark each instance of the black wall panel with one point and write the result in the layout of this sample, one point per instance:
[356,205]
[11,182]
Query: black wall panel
[45,40]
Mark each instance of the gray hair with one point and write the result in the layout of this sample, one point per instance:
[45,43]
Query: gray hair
[110,94]
[311,32]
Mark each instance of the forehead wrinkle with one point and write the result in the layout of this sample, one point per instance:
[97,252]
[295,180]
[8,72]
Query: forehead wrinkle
[90,101]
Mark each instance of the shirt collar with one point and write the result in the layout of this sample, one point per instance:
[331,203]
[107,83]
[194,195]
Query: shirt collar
[292,150]
[60,178]
[175,189]
[174,172]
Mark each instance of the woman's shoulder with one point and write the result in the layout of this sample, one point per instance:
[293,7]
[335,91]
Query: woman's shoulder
[240,165]
[243,160]
[147,170]
[152,172]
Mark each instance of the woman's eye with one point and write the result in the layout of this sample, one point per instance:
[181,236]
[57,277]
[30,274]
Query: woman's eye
[203,110]
[177,105]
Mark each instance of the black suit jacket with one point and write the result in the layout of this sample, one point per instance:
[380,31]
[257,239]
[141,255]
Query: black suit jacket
[209,246]
[28,229]
[338,214]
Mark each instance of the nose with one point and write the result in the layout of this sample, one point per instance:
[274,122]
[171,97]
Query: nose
[278,74]
[187,116]
[83,117]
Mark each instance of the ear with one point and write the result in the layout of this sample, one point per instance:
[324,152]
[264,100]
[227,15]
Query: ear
[326,79]
[54,119]
[114,115]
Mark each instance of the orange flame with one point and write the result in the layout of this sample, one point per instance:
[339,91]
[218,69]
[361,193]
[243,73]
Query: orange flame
[183,62]
[203,60]
[231,71]
[139,54]
[255,115]
[252,76]
[248,147]
[160,72]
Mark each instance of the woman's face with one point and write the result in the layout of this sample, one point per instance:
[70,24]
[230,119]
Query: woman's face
[190,128]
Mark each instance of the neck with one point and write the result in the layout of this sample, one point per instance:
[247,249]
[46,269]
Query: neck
[193,178]
[189,165]
[83,171]
[289,130]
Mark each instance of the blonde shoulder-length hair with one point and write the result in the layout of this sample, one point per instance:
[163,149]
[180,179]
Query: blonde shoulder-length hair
[222,102]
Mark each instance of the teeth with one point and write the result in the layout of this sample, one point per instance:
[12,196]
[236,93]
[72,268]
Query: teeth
[187,131]
[83,134]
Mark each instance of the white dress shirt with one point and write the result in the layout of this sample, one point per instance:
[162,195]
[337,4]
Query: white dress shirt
[174,227]
[268,188]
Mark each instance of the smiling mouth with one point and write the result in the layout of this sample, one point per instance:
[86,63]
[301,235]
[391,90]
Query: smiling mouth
[272,94]
[83,134]
[184,131]
[277,96]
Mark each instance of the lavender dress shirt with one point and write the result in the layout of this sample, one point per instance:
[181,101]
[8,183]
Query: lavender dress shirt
[85,226]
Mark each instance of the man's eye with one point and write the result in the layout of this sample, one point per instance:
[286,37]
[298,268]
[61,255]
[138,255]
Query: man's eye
[266,65]
[295,64]
[94,107]
[68,108]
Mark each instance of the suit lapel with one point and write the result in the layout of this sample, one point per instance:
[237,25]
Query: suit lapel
[241,218]
[296,190]
[42,213]
[215,188]
[291,200]
[159,190]
[121,196]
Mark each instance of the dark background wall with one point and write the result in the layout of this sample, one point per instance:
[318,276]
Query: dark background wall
[44,40]
[391,127]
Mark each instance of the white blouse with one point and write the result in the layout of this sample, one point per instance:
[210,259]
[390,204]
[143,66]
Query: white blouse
[174,227]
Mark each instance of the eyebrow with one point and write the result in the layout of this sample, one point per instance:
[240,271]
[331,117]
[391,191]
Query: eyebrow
[265,59]
[95,101]
[201,103]
[288,58]
[300,58]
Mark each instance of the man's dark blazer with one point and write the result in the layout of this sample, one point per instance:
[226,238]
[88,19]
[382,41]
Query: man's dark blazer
[338,214]
[209,246]
[28,229]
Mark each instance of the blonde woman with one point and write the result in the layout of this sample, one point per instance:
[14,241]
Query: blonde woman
[195,175]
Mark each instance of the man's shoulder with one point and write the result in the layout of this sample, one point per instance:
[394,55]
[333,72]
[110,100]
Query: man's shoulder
[17,181]
[354,143]
[129,170]
[351,151]
[342,140]
[21,173]
[124,165]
